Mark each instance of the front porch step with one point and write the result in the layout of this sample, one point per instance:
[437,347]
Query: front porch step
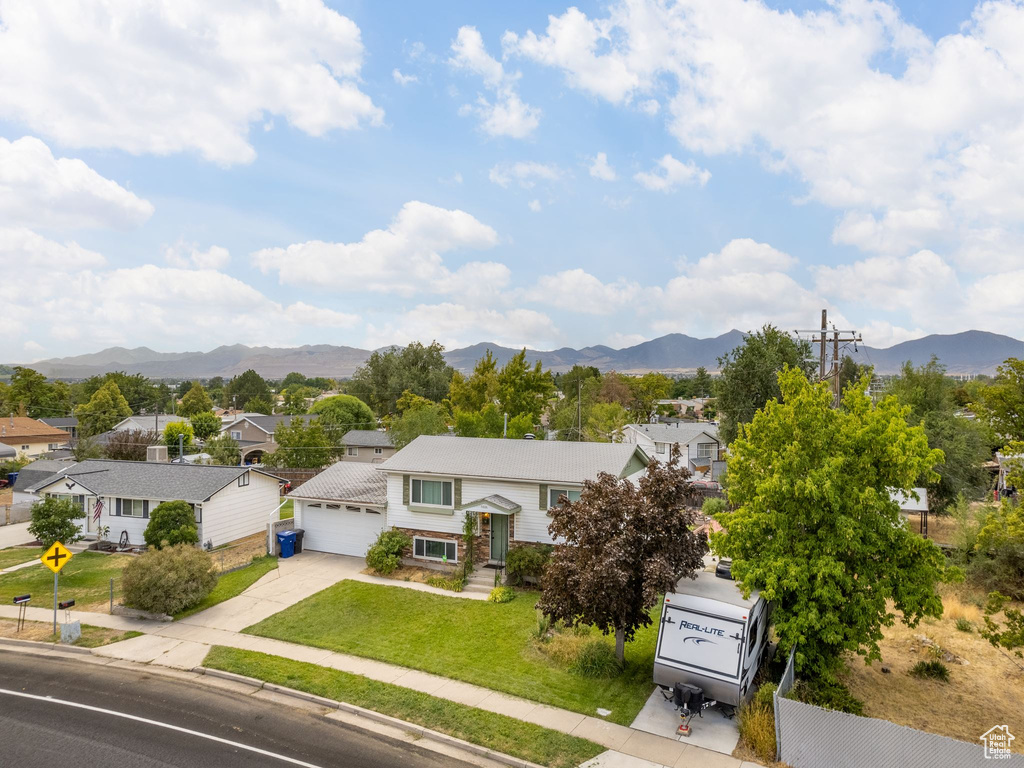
[478,588]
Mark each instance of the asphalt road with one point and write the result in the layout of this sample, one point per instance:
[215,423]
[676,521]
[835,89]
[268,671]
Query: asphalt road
[40,726]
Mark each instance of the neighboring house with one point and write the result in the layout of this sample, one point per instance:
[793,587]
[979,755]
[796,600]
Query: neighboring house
[34,473]
[910,505]
[155,422]
[689,406]
[254,433]
[1007,463]
[698,442]
[505,486]
[343,509]
[68,423]
[230,503]
[30,437]
[368,445]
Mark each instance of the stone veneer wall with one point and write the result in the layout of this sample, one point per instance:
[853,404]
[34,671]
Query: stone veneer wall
[481,542]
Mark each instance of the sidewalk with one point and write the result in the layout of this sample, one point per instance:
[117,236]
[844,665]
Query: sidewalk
[184,645]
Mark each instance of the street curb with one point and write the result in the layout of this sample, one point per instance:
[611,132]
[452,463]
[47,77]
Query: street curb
[369,714]
[47,646]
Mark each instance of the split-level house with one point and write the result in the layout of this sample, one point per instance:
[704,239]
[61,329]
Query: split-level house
[370,446]
[697,441]
[254,433]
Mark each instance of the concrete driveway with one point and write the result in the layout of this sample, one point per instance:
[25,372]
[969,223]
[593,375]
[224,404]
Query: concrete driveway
[14,534]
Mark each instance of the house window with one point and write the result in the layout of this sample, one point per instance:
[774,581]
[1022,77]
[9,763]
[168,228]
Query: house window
[660,447]
[704,450]
[435,549]
[434,493]
[24,447]
[353,451]
[555,495]
[243,480]
[378,451]
[52,447]
[236,434]
[333,506]
[133,508]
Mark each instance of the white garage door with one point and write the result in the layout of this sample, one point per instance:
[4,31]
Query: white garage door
[343,530]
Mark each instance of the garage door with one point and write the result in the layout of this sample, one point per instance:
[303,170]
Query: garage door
[342,530]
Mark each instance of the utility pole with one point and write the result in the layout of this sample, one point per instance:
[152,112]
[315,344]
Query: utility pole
[579,410]
[821,340]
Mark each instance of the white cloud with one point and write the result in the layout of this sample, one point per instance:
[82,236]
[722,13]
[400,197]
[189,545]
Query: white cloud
[525,174]
[742,255]
[508,115]
[23,249]
[304,314]
[650,107]
[404,259]
[919,142]
[623,340]
[169,76]
[403,80]
[534,205]
[600,169]
[456,325]
[617,203]
[587,294]
[184,255]
[668,173]
[40,190]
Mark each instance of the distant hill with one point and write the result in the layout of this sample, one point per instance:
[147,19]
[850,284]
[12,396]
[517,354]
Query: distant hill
[967,352]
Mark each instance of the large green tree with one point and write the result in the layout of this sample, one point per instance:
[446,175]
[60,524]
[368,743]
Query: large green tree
[301,446]
[105,409]
[646,391]
[205,424]
[139,391]
[245,387]
[814,528]
[1001,403]
[30,394]
[340,413]
[382,379]
[750,375]
[419,416]
[172,432]
[196,400]
[223,449]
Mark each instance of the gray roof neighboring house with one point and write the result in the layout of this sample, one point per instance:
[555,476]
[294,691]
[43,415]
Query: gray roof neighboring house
[346,482]
[151,421]
[532,460]
[149,480]
[37,471]
[267,423]
[370,438]
[680,432]
[61,421]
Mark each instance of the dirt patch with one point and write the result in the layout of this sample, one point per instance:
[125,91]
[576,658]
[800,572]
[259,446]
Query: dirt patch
[407,573]
[941,528]
[42,631]
[240,552]
[986,684]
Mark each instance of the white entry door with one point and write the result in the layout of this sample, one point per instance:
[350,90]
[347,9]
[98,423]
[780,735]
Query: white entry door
[342,531]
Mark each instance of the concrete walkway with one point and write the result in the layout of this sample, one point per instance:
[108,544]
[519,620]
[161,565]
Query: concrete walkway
[14,534]
[184,645]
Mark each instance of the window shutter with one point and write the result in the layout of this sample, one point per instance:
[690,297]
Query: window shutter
[145,510]
[405,490]
[118,510]
[458,492]
[543,497]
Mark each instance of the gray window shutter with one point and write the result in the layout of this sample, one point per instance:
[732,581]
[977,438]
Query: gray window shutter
[543,497]
[458,492]
[118,510]
[145,510]
[405,490]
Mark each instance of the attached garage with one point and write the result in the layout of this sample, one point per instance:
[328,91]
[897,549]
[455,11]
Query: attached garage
[343,509]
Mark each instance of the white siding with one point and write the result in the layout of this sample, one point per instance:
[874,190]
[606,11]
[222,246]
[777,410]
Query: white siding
[400,516]
[236,512]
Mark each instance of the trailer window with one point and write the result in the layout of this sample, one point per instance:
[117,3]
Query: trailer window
[753,636]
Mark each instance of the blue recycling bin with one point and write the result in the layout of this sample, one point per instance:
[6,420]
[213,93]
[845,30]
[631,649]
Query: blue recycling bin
[12,477]
[287,541]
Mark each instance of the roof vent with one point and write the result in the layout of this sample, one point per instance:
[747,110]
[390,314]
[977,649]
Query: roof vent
[529,436]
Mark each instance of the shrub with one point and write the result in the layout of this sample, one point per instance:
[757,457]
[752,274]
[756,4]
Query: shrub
[757,723]
[712,507]
[168,580]
[385,555]
[964,625]
[53,520]
[526,561]
[765,695]
[931,670]
[596,659]
[830,695]
[540,632]
[1000,570]
[453,583]
[171,523]
[502,595]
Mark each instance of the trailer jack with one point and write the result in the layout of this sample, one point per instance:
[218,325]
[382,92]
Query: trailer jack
[689,701]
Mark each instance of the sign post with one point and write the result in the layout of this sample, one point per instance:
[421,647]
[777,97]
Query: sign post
[56,557]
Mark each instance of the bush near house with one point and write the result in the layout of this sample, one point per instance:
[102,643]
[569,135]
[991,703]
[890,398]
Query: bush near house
[171,523]
[385,555]
[53,520]
[525,562]
[168,580]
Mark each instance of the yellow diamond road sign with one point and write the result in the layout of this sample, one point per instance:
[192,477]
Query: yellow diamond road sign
[56,557]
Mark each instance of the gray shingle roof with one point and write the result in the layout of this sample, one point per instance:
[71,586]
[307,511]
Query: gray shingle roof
[61,421]
[680,432]
[495,500]
[37,471]
[269,423]
[349,482]
[537,460]
[150,421]
[150,480]
[371,438]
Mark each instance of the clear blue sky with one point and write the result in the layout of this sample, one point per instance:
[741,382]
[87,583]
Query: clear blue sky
[530,173]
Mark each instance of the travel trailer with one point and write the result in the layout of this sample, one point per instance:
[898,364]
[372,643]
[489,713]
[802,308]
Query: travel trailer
[711,637]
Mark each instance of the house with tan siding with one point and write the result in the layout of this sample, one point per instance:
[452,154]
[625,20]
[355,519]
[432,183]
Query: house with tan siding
[31,437]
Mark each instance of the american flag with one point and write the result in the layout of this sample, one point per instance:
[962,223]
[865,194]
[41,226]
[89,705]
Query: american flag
[97,510]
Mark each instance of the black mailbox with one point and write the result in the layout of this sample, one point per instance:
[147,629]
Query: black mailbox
[66,604]
[22,599]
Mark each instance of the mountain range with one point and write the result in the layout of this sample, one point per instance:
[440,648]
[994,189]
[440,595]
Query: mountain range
[970,352]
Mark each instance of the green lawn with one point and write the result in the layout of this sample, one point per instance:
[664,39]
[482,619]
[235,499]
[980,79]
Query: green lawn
[85,579]
[288,510]
[498,732]
[18,555]
[233,584]
[475,641]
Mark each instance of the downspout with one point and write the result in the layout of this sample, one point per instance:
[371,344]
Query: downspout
[270,518]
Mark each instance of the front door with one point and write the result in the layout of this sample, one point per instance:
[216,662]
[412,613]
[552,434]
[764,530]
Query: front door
[499,538]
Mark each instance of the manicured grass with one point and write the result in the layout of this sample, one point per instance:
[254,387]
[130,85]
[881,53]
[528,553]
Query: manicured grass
[475,641]
[233,584]
[497,732]
[288,510]
[85,579]
[18,555]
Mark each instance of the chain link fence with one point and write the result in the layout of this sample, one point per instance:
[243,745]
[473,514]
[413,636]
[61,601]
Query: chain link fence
[811,737]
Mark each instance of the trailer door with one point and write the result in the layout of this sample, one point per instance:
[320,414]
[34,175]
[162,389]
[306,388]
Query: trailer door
[700,641]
